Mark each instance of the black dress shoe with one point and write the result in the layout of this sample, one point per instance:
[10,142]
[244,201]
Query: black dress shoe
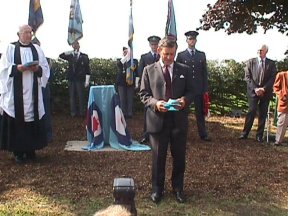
[243,136]
[31,156]
[206,139]
[144,140]
[156,197]
[180,197]
[19,159]
[259,139]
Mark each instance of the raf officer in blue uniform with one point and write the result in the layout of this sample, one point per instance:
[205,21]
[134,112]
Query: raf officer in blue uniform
[196,60]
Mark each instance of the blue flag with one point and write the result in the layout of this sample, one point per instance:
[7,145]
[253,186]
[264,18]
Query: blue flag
[170,30]
[75,22]
[131,69]
[35,18]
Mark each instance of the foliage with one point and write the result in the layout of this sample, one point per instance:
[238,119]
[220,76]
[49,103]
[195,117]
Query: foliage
[226,86]
[240,16]
[283,65]
[103,71]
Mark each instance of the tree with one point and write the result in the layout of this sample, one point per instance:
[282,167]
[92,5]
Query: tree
[238,16]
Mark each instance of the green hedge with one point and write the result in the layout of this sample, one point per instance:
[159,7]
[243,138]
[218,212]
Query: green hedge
[227,87]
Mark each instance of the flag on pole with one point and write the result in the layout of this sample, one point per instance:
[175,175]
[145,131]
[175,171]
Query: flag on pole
[35,18]
[75,22]
[131,68]
[170,29]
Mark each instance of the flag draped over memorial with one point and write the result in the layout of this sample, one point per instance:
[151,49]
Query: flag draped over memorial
[35,18]
[118,123]
[130,70]
[94,126]
[170,29]
[75,22]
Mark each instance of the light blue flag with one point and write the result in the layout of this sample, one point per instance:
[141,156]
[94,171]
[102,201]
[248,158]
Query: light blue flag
[75,22]
[35,18]
[170,29]
[131,69]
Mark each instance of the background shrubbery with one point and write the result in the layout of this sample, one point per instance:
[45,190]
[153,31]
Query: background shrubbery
[227,87]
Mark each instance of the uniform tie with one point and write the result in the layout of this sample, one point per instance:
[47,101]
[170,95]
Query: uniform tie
[155,57]
[192,53]
[167,77]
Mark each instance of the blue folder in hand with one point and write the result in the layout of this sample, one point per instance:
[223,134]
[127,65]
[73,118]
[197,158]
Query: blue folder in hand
[29,64]
[172,104]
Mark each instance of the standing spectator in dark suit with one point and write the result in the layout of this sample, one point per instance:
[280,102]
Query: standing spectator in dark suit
[161,81]
[260,75]
[78,76]
[147,59]
[126,90]
[196,60]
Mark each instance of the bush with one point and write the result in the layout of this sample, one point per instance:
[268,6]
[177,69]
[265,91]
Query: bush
[227,87]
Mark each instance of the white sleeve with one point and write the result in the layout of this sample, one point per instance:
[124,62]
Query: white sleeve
[44,65]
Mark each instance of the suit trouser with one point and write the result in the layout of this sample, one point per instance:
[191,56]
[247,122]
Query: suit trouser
[159,142]
[76,88]
[126,94]
[200,115]
[145,133]
[282,124]
[262,104]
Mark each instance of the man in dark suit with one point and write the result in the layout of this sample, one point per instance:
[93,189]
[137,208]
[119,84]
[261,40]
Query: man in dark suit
[147,59]
[161,81]
[196,60]
[78,76]
[260,75]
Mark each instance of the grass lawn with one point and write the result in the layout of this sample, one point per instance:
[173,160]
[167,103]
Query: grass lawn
[224,177]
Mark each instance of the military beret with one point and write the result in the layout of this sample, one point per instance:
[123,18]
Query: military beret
[286,53]
[191,34]
[125,48]
[154,38]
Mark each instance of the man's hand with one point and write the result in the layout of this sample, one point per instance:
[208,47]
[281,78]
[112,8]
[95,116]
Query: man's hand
[22,68]
[87,81]
[161,106]
[260,92]
[181,103]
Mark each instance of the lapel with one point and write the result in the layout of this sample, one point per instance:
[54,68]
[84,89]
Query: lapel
[175,71]
[187,54]
[159,71]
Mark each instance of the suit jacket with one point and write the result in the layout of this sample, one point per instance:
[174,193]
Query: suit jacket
[153,88]
[281,90]
[122,70]
[252,77]
[198,68]
[77,69]
[146,59]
